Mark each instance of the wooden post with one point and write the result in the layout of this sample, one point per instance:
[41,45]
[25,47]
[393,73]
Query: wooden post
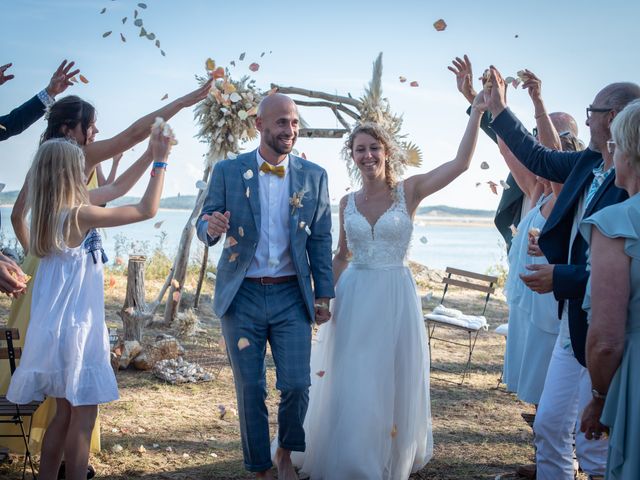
[135,313]
[182,257]
[203,269]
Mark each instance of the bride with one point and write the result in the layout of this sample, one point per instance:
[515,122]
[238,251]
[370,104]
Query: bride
[369,413]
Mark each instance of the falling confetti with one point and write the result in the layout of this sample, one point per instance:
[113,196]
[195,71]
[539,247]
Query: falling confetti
[243,343]
[233,256]
[414,84]
[230,242]
[201,185]
[218,73]
[440,25]
[307,229]
[162,53]
[241,58]
[320,373]
[522,75]
[402,79]
[102,11]
[493,186]
[138,22]
[142,5]
[484,166]
[302,224]
[516,35]
[165,96]
[478,184]
[106,34]
[423,240]
[504,185]
[122,38]
[254,67]
[158,224]
[241,231]
[210,64]
[141,449]
[2,127]
[273,262]
[112,281]
[124,20]
[73,79]
[83,79]
[247,192]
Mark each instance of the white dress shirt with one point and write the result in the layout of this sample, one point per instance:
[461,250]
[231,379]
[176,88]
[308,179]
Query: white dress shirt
[273,258]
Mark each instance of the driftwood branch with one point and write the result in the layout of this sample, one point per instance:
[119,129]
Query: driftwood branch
[332,106]
[322,132]
[315,94]
[341,119]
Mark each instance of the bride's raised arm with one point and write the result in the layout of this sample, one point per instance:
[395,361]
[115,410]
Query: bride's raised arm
[341,258]
[418,187]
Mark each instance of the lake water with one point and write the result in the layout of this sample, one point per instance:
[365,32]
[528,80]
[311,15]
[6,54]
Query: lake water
[467,246]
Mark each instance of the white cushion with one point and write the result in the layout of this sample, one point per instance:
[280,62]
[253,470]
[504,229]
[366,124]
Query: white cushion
[471,322]
[502,329]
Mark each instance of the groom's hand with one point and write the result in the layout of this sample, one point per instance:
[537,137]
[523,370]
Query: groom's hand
[323,314]
[217,223]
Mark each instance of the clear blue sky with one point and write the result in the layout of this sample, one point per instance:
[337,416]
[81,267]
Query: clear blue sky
[576,47]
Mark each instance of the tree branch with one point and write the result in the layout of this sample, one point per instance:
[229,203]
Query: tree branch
[332,106]
[322,132]
[315,94]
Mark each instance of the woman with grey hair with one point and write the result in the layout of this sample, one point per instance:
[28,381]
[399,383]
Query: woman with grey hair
[613,304]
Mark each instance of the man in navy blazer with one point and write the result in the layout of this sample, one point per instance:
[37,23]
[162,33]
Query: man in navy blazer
[274,209]
[22,117]
[588,187]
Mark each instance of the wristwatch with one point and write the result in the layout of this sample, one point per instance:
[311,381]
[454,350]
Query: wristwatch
[596,394]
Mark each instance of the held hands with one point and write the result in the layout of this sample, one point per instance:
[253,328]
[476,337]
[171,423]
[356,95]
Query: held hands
[5,78]
[464,77]
[217,223]
[495,92]
[13,281]
[159,143]
[533,248]
[479,103]
[533,84]
[198,94]
[323,314]
[590,423]
[61,78]
[541,280]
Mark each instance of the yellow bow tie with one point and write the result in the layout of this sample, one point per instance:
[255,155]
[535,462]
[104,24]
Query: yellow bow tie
[278,170]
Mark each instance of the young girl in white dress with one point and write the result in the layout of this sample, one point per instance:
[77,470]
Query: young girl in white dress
[369,413]
[66,351]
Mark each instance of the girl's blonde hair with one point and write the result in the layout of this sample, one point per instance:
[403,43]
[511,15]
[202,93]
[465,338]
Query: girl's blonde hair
[56,185]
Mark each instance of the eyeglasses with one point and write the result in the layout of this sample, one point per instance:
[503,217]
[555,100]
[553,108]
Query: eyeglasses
[611,146]
[591,110]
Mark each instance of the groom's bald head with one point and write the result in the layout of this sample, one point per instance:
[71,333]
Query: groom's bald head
[278,123]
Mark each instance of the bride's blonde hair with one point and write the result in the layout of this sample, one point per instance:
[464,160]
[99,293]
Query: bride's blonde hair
[56,185]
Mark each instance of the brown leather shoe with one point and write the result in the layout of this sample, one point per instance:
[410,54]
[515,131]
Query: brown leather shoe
[527,471]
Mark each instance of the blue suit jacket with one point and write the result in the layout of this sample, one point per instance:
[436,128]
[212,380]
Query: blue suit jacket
[311,254]
[21,118]
[575,171]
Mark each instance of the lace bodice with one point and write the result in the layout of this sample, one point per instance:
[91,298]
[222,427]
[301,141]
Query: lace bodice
[386,242]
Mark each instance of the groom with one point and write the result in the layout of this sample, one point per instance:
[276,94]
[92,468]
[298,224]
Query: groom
[274,209]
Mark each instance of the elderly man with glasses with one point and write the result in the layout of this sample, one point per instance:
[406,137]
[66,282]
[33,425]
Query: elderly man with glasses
[588,187]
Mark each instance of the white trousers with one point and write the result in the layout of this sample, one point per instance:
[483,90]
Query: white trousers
[567,391]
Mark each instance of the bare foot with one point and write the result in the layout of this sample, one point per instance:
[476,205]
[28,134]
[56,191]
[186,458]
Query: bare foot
[284,465]
[266,475]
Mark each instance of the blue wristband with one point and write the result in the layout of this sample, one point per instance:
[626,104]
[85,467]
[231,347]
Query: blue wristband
[160,164]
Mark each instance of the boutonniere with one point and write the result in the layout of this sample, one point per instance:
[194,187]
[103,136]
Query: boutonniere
[296,201]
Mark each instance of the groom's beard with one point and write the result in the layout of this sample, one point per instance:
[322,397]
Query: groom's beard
[277,144]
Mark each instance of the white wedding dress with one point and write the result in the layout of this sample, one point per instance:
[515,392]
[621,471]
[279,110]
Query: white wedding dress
[369,413]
